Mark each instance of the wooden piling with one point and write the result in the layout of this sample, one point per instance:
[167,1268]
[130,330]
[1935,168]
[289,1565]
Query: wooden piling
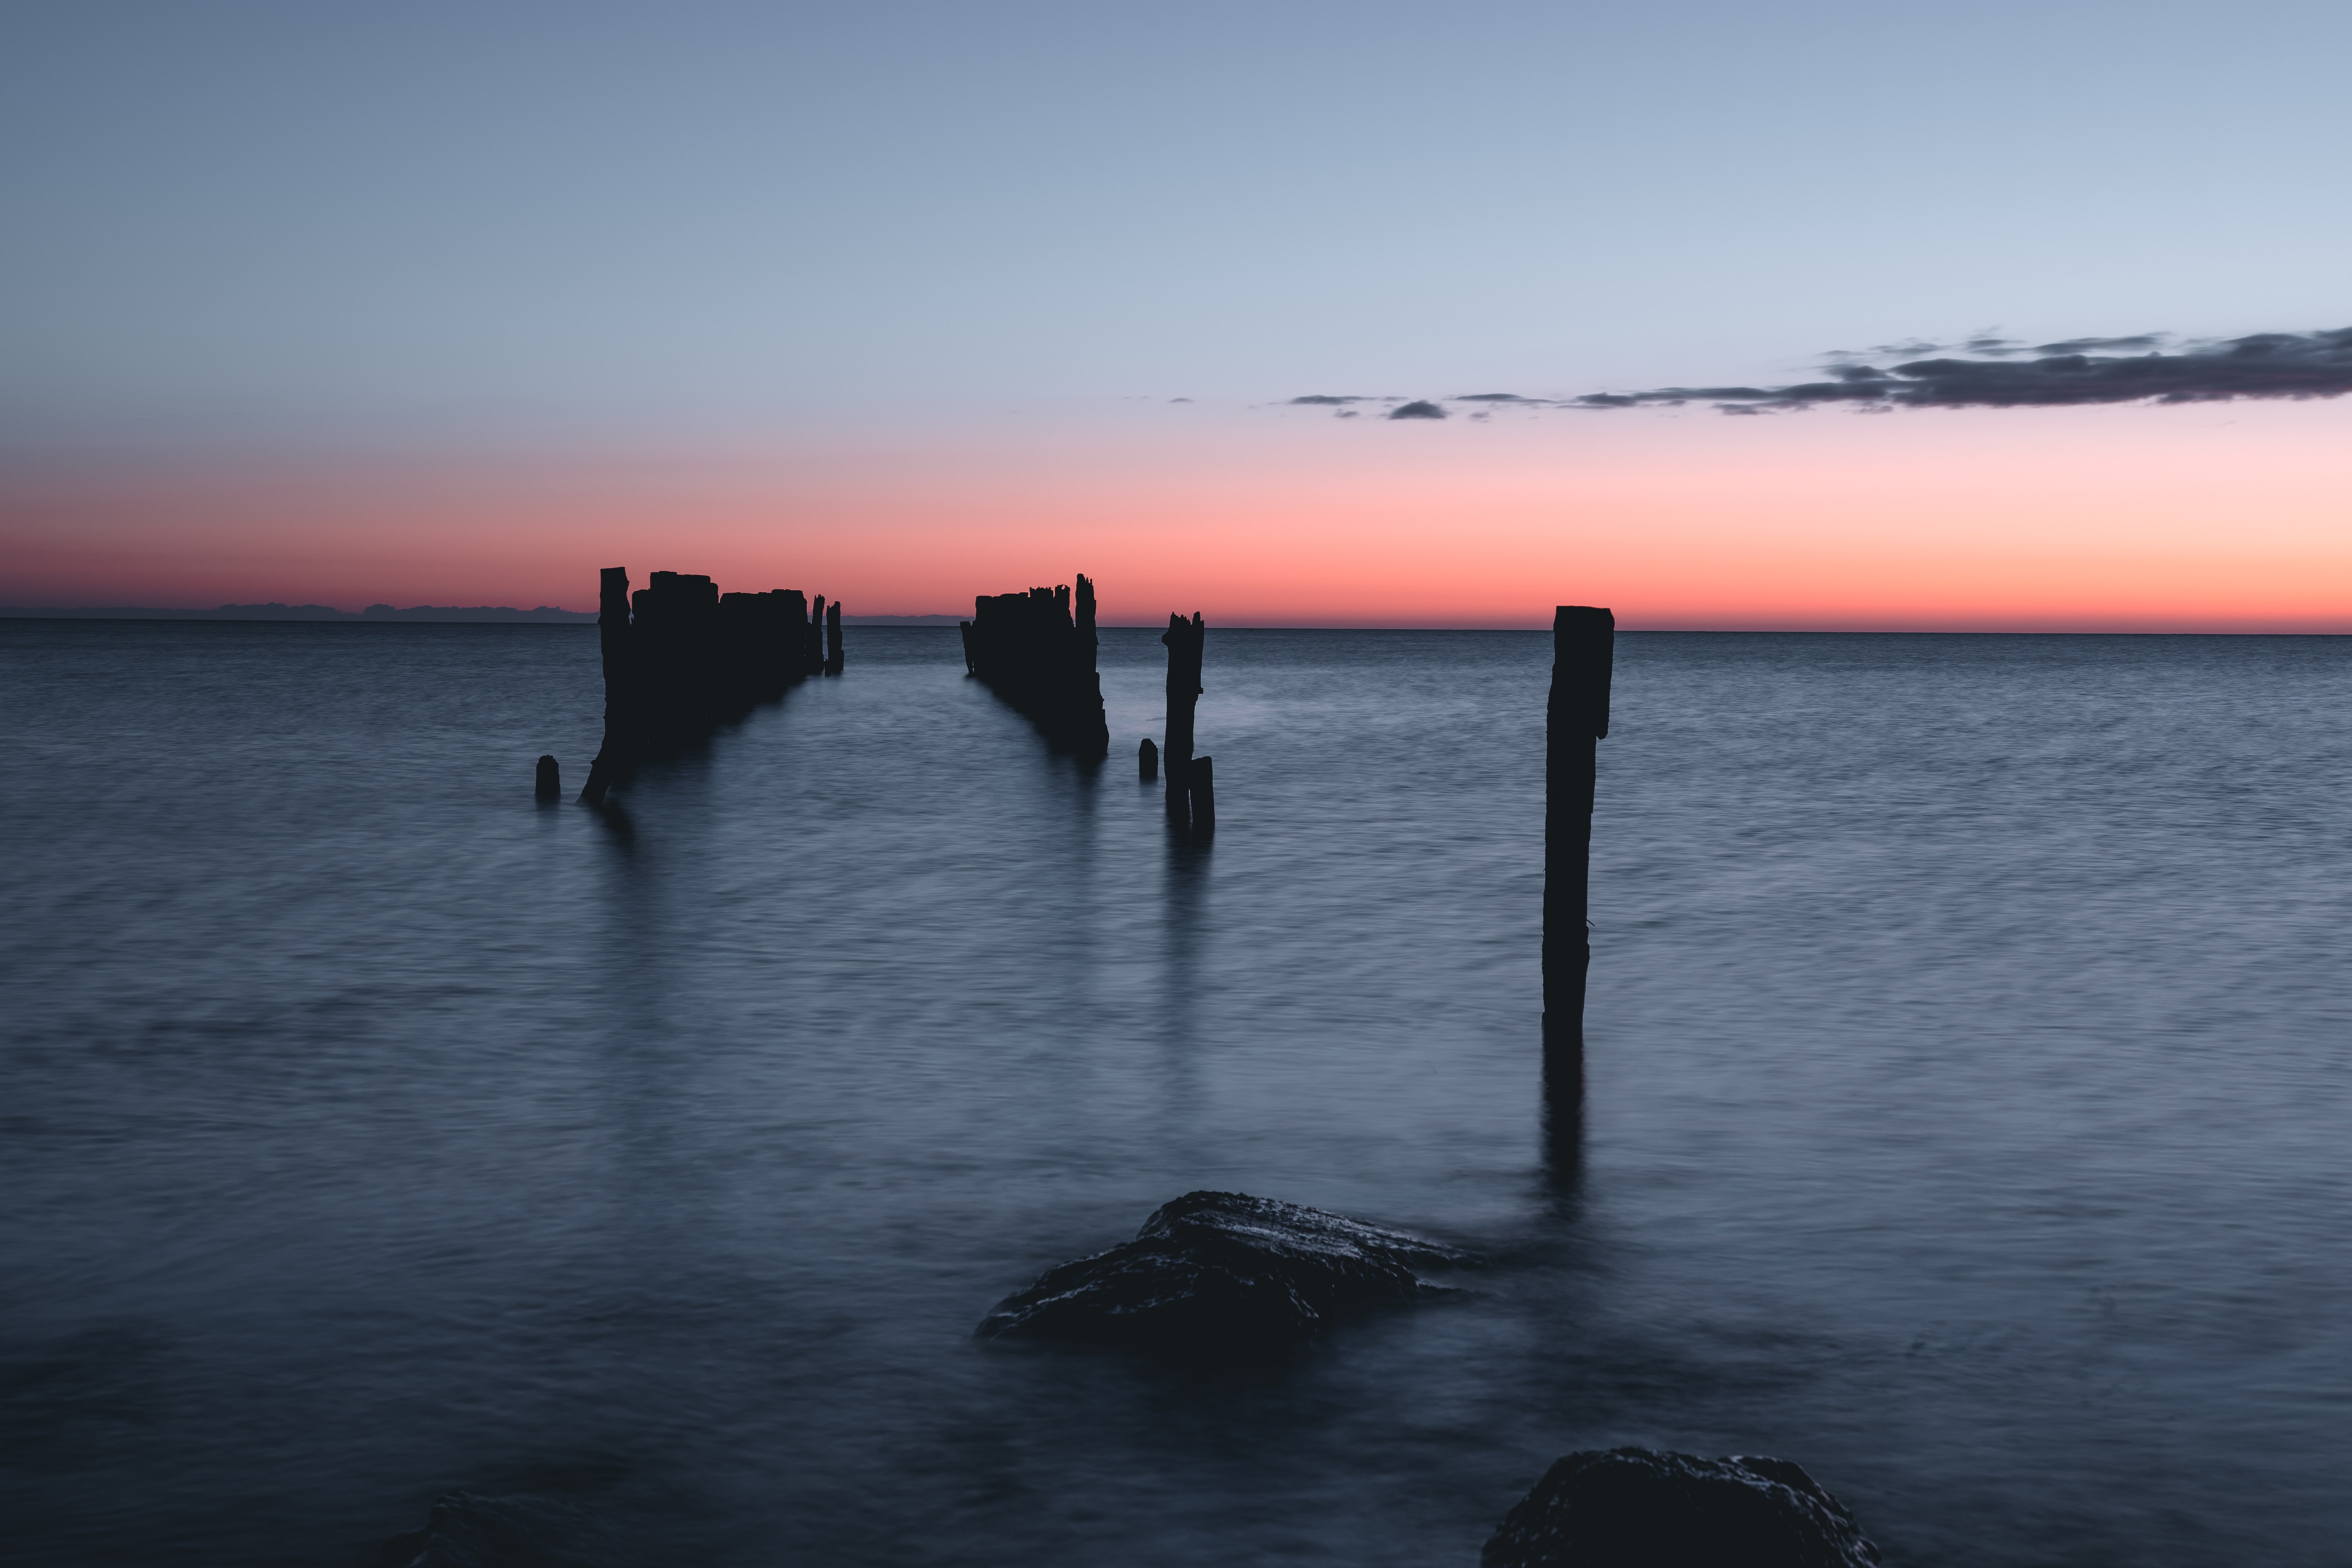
[1202,787]
[681,658]
[1037,651]
[1184,639]
[619,681]
[833,655]
[1147,760]
[1583,649]
[550,784]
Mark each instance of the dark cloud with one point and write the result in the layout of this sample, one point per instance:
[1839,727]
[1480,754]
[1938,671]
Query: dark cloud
[1495,398]
[1417,411]
[1322,399]
[2085,345]
[2078,371]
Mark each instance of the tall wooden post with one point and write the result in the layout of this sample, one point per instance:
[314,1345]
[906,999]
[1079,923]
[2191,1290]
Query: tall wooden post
[1183,638]
[1085,703]
[620,683]
[833,655]
[1583,645]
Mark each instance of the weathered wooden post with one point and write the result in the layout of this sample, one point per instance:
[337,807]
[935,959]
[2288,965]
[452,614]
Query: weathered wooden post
[620,682]
[1583,645]
[1184,639]
[550,784]
[833,656]
[1147,760]
[1202,787]
[1088,724]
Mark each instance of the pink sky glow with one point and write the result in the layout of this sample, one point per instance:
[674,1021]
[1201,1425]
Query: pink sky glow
[2206,518]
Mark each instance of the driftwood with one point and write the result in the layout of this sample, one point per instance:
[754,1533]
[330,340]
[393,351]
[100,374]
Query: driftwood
[681,658]
[1036,650]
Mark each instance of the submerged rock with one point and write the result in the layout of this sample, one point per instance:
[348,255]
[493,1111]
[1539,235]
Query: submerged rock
[1640,1508]
[1222,1275]
[469,1529]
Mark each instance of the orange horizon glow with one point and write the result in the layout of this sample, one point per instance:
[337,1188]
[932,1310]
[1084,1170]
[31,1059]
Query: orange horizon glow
[2210,519]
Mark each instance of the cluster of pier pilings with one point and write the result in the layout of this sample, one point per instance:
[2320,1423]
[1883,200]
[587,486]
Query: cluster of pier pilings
[681,658]
[1037,650]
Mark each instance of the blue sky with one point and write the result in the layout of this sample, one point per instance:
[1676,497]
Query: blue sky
[265,222]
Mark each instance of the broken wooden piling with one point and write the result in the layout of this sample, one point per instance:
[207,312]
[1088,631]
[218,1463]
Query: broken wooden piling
[1583,649]
[1184,639]
[1147,760]
[1037,651]
[1201,787]
[680,659]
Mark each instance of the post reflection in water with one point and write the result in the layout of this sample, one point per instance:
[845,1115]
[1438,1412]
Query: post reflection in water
[1183,891]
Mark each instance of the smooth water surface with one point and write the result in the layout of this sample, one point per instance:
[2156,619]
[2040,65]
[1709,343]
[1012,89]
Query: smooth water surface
[1969,1078]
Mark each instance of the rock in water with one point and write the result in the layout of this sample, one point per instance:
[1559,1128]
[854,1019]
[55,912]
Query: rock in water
[1639,1508]
[1220,1276]
[469,1529]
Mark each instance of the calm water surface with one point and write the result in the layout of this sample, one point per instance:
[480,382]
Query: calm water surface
[1970,1073]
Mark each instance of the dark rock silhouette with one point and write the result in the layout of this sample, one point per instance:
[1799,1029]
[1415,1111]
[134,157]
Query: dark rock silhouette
[1147,760]
[1584,642]
[469,1529]
[1641,1508]
[1202,789]
[551,779]
[1185,641]
[833,654]
[681,660]
[1036,650]
[1223,1276]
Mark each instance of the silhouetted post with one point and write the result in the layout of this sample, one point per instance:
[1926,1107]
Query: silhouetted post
[1583,644]
[833,637]
[1183,638]
[1147,760]
[815,665]
[1200,784]
[1085,700]
[551,780]
[969,667]
[612,637]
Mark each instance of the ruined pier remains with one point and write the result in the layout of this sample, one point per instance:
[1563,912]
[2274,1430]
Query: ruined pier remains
[1036,650]
[1192,808]
[681,658]
[1583,644]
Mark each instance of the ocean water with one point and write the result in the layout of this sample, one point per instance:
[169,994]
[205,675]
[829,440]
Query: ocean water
[1969,1114]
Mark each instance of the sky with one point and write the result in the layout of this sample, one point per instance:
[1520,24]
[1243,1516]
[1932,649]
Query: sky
[901,304]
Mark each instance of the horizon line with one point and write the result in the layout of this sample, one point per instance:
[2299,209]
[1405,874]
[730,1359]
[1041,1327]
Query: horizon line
[327,615]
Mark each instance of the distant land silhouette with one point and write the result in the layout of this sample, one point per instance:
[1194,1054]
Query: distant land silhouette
[276,612]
